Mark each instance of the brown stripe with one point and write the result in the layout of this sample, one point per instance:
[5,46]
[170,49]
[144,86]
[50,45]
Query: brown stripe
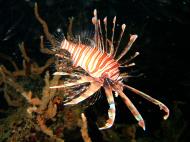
[90,57]
[101,59]
[107,65]
[96,58]
[105,62]
[80,54]
[69,48]
[75,50]
[99,62]
[112,76]
[111,68]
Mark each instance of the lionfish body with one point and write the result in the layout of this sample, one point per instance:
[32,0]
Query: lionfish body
[102,65]
[98,64]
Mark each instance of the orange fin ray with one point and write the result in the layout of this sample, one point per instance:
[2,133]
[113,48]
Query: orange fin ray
[149,98]
[111,111]
[83,79]
[128,47]
[106,34]
[119,40]
[132,108]
[94,87]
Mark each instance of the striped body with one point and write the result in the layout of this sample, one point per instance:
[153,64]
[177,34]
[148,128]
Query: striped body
[98,64]
[101,65]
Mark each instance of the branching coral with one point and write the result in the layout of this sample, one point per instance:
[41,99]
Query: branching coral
[84,129]
[42,105]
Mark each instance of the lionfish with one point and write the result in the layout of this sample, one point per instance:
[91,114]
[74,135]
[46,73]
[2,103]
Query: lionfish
[99,60]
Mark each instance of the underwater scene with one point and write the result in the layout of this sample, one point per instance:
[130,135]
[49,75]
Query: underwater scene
[94,70]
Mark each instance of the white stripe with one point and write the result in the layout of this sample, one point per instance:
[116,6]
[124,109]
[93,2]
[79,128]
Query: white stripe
[104,59]
[69,48]
[63,44]
[73,46]
[86,58]
[107,65]
[99,72]
[76,53]
[66,46]
[112,106]
[96,61]
[114,71]
[115,77]
[81,60]
[90,66]
[92,61]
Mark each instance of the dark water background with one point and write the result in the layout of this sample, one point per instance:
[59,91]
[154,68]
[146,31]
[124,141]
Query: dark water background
[163,30]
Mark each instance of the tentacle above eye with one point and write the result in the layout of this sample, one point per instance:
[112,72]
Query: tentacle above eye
[94,86]
[111,111]
[149,98]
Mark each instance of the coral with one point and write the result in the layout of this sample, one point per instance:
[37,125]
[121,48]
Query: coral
[84,129]
[40,106]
